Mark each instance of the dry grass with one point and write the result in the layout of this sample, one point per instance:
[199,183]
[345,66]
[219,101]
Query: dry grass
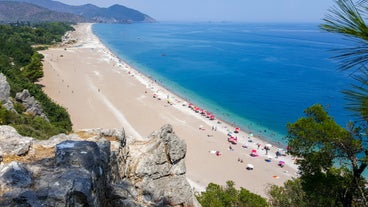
[85,135]
[112,139]
[39,153]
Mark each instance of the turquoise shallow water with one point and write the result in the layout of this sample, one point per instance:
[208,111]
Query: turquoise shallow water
[256,76]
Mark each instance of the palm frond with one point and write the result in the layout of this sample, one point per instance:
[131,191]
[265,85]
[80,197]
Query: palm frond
[357,96]
[347,18]
[352,57]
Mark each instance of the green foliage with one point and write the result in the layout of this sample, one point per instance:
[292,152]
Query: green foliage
[316,138]
[289,195]
[19,107]
[348,18]
[246,198]
[35,127]
[27,125]
[319,142]
[34,71]
[218,196]
[22,66]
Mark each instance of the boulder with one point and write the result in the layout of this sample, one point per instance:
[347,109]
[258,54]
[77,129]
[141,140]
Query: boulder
[15,175]
[4,89]
[31,105]
[5,93]
[12,143]
[156,168]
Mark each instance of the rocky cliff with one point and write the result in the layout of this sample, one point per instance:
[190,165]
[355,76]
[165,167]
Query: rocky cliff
[93,168]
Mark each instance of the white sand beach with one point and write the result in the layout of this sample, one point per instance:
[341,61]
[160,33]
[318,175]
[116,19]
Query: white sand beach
[101,91]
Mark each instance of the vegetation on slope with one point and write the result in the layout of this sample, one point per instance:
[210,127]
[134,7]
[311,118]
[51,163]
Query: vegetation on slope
[88,12]
[29,12]
[22,66]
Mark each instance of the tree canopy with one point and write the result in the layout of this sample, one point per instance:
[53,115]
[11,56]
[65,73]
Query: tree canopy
[219,196]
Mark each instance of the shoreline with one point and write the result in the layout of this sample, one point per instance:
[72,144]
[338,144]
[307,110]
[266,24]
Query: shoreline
[247,129]
[201,163]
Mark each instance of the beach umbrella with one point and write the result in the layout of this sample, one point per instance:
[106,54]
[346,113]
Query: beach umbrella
[250,167]
[268,145]
[268,159]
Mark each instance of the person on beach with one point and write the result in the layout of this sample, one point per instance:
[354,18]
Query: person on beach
[258,145]
[267,149]
[278,154]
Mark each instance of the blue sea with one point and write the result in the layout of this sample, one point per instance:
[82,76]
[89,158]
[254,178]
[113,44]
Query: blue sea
[253,75]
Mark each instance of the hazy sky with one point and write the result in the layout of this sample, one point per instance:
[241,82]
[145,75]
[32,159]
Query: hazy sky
[224,10]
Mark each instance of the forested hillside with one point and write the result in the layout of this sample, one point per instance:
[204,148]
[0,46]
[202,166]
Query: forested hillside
[22,66]
[27,12]
[48,10]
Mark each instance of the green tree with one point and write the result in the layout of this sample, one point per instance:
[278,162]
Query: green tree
[291,194]
[228,196]
[319,142]
[34,71]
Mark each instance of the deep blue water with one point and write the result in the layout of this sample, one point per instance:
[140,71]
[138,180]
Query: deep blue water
[258,76]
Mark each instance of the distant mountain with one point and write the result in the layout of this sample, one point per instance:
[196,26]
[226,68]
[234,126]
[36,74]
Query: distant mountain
[113,14]
[21,11]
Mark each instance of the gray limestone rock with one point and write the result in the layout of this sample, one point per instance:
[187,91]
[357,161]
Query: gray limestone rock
[4,88]
[5,93]
[54,140]
[98,169]
[12,143]
[157,169]
[31,105]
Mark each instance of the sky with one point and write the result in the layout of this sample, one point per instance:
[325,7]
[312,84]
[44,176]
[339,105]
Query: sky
[224,10]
